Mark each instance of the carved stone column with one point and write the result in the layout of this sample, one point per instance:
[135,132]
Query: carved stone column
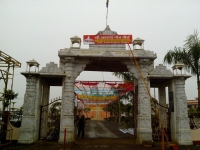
[44,115]
[162,96]
[144,129]
[67,108]
[162,111]
[182,129]
[29,129]
[72,69]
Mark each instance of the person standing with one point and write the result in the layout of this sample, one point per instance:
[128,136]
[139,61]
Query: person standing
[81,126]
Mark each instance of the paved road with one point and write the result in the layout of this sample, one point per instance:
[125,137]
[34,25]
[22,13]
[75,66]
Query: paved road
[104,129]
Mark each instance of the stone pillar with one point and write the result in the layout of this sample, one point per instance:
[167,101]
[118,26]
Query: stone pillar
[67,111]
[162,96]
[181,121]
[144,129]
[44,111]
[162,111]
[29,130]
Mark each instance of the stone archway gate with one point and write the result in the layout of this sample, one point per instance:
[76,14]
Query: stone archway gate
[112,58]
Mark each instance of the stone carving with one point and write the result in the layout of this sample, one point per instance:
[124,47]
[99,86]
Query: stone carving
[51,68]
[80,66]
[132,68]
[69,53]
[144,70]
[144,104]
[27,130]
[181,98]
[30,97]
[144,112]
[29,103]
[28,123]
[67,121]
[161,70]
[143,100]
[142,53]
[146,123]
[107,30]
[183,123]
[184,137]
[107,54]
[44,121]
[67,106]
[146,136]
[181,105]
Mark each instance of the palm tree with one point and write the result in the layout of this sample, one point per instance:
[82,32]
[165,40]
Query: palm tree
[126,76]
[188,55]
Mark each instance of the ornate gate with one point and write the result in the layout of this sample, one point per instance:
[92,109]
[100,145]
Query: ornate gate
[164,115]
[50,120]
[194,120]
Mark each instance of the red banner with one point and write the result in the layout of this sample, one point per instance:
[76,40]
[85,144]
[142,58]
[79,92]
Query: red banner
[107,39]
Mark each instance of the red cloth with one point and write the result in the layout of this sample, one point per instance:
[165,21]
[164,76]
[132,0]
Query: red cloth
[89,83]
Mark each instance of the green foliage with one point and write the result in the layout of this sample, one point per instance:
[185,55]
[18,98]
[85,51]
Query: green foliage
[192,110]
[112,108]
[105,108]
[9,95]
[55,110]
[126,76]
[188,55]
[86,110]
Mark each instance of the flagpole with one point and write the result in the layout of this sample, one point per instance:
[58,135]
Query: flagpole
[107,16]
[107,2]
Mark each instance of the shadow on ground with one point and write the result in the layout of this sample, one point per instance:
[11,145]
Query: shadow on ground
[92,144]
[100,135]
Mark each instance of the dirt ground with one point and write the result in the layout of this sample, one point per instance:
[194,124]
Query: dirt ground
[99,135]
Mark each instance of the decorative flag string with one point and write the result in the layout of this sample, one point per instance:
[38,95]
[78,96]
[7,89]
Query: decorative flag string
[107,2]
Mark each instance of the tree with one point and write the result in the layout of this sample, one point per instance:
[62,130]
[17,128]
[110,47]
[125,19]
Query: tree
[112,108]
[55,111]
[105,108]
[126,76]
[188,55]
[8,96]
[86,110]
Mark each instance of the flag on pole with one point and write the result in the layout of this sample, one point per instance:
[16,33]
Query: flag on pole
[107,3]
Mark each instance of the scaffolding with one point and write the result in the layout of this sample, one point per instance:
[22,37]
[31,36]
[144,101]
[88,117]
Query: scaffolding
[7,66]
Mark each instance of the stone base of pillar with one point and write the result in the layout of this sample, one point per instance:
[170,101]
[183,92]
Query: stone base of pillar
[69,135]
[144,135]
[185,143]
[28,131]
[184,137]
[26,136]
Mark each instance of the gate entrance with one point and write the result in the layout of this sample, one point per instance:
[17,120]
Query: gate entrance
[164,115]
[50,120]
[102,57]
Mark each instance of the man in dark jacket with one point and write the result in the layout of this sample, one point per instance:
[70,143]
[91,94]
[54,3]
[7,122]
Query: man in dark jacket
[81,126]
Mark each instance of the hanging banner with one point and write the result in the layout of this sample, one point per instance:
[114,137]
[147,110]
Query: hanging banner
[107,39]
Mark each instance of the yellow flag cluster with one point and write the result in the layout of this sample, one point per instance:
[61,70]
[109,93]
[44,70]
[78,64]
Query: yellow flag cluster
[96,98]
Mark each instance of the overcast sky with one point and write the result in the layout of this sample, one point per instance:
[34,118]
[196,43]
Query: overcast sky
[38,29]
